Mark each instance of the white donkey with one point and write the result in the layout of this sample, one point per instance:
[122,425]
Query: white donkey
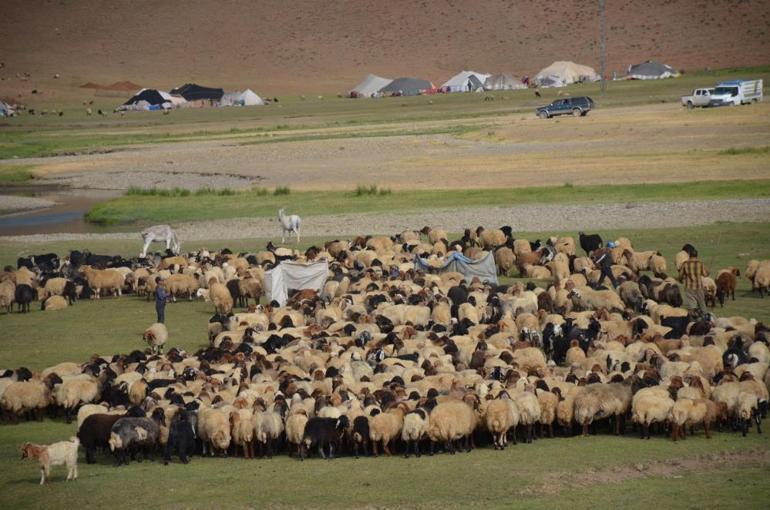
[290,224]
[160,233]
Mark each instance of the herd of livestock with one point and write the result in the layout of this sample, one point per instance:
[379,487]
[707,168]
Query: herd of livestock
[388,359]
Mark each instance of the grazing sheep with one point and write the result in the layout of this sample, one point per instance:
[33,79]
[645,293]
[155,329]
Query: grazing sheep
[726,282]
[156,336]
[649,406]
[56,454]
[386,426]
[529,411]
[268,427]
[688,412]
[295,429]
[415,427]
[135,435]
[103,279]
[181,437]
[214,430]
[7,295]
[325,433]
[181,285]
[22,397]
[452,421]
[220,296]
[242,431]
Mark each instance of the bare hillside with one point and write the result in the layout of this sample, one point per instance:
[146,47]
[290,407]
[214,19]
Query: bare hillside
[311,46]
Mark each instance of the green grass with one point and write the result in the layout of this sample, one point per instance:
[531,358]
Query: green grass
[759,151]
[541,475]
[372,190]
[16,174]
[551,473]
[281,191]
[33,136]
[138,208]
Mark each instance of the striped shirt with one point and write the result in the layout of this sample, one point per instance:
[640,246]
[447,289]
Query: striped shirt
[691,272]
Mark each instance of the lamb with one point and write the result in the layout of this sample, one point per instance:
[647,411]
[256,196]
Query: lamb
[502,414]
[54,303]
[415,427]
[451,421]
[156,336]
[214,430]
[103,279]
[726,282]
[386,426]
[56,454]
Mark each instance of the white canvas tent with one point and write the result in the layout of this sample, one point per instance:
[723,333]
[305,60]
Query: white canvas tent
[503,82]
[245,98]
[563,73]
[465,81]
[370,86]
[294,276]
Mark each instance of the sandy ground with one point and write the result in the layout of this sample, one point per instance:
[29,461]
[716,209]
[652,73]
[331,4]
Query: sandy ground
[18,203]
[651,143]
[537,218]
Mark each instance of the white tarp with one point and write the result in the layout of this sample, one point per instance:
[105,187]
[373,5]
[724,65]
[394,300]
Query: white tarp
[562,73]
[370,86]
[294,276]
[464,82]
[249,98]
[503,82]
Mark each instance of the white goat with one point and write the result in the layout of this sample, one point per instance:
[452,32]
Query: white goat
[290,224]
[160,233]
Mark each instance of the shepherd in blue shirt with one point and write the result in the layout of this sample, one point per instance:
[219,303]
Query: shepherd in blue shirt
[160,299]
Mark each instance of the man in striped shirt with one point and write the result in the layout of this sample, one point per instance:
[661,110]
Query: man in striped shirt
[691,274]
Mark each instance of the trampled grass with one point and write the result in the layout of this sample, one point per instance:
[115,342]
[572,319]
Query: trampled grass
[136,207]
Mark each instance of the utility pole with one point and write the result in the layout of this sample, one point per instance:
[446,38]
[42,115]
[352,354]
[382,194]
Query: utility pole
[602,48]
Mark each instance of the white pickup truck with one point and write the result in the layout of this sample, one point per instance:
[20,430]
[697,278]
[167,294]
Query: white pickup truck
[699,97]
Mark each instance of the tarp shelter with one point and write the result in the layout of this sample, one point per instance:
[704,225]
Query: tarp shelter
[194,92]
[6,110]
[465,81]
[483,268]
[503,82]
[651,70]
[294,276]
[563,73]
[148,99]
[245,98]
[406,87]
[370,86]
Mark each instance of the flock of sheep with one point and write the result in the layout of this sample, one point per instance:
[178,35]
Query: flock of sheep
[386,359]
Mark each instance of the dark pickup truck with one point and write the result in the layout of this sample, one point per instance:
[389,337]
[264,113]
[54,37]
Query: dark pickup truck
[577,106]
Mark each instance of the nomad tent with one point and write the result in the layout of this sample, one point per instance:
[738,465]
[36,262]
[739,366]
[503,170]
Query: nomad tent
[562,73]
[6,110]
[148,99]
[370,86]
[483,268]
[245,98]
[194,92]
[465,81]
[294,276]
[503,82]
[406,87]
[651,70]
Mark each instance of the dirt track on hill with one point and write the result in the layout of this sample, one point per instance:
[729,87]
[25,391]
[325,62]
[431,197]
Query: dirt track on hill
[534,218]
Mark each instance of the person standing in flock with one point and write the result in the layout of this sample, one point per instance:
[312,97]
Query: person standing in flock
[161,297]
[603,260]
[691,275]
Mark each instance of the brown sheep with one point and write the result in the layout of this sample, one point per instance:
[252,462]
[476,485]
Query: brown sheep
[726,281]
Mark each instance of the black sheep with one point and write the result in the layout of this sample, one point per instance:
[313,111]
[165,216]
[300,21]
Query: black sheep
[24,296]
[361,435]
[325,433]
[181,437]
[678,326]
[95,430]
[590,242]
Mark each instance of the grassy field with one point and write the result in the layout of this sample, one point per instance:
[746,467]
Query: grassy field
[147,206]
[46,135]
[727,471]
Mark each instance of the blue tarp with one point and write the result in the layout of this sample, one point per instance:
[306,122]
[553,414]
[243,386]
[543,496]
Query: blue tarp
[484,268]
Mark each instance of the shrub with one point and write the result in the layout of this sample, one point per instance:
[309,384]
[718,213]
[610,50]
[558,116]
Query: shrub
[282,190]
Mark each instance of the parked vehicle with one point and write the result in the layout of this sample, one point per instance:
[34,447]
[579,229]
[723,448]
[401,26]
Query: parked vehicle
[736,92]
[577,106]
[699,97]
